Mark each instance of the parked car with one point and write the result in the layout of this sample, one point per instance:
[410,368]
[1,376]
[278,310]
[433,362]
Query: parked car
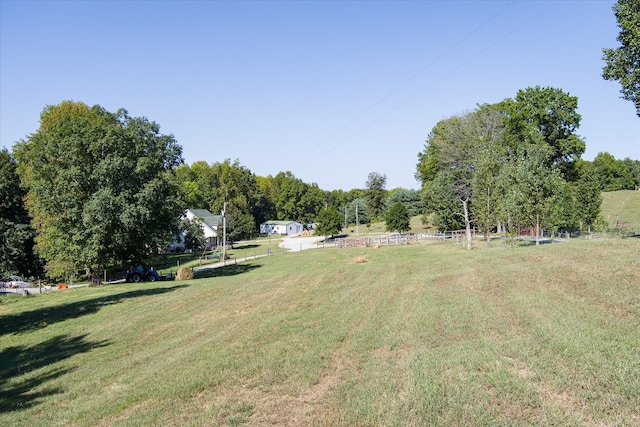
[16,282]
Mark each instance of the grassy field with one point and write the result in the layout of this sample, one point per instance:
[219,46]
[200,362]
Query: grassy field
[418,335]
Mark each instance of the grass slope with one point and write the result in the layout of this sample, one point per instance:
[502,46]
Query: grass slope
[622,208]
[418,335]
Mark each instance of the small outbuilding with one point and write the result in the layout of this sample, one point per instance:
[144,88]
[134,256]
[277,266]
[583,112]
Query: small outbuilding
[281,227]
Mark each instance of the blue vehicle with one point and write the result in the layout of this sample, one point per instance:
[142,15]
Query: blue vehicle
[139,274]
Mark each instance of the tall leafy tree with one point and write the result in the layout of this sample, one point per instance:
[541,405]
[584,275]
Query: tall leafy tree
[397,218]
[267,209]
[634,170]
[337,198]
[613,174]
[586,197]
[376,194]
[196,182]
[295,199]
[329,222]
[488,128]
[442,202]
[460,158]
[99,187]
[357,212]
[236,185]
[409,198]
[16,233]
[457,146]
[551,114]
[623,62]
[534,189]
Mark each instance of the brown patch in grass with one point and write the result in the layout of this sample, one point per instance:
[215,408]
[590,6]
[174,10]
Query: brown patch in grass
[360,259]
[128,413]
[548,393]
[276,407]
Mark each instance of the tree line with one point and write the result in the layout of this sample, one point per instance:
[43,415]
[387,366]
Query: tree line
[517,164]
[92,189]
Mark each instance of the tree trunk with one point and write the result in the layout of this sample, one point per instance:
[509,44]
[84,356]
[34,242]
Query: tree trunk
[537,229]
[486,230]
[467,221]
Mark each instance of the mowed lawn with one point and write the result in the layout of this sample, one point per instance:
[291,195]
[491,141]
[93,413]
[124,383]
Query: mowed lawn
[427,334]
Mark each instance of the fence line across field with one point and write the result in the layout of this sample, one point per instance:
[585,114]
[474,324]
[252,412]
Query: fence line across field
[396,239]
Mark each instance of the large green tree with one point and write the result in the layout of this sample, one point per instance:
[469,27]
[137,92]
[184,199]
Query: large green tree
[488,126]
[551,114]
[228,182]
[458,164]
[613,174]
[586,197]
[236,186]
[16,233]
[357,212]
[409,198]
[98,186]
[295,199]
[442,203]
[376,194]
[397,218]
[196,182]
[623,62]
[634,170]
[532,190]
[329,222]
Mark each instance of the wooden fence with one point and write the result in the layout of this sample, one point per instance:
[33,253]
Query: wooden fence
[395,239]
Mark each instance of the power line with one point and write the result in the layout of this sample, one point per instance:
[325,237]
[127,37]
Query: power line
[429,86]
[413,76]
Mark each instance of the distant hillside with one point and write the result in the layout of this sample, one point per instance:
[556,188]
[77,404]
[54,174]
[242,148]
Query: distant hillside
[622,208]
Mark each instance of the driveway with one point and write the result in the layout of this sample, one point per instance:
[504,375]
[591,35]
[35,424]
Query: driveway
[295,244]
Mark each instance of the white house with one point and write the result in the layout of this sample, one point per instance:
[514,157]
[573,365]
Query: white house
[281,227]
[210,223]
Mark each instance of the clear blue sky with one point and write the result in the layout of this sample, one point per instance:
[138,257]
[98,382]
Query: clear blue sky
[328,90]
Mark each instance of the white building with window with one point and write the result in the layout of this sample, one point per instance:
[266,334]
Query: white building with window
[286,228]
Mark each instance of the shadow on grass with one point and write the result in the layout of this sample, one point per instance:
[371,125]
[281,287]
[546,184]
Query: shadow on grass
[228,270]
[527,242]
[17,376]
[41,317]
[243,247]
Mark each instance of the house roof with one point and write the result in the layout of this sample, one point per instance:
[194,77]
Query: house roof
[274,222]
[210,220]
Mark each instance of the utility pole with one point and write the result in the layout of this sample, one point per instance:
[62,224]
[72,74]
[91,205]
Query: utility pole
[357,222]
[224,231]
[345,217]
